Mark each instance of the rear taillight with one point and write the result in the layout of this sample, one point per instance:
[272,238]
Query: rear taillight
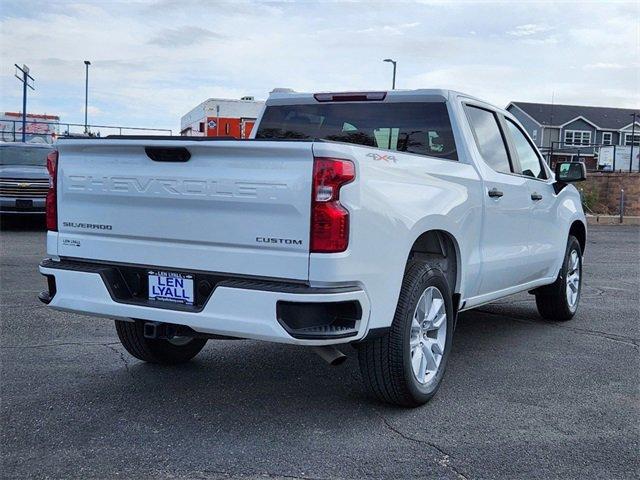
[329,219]
[52,201]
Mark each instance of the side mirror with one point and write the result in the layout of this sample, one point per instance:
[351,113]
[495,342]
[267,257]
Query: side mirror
[568,172]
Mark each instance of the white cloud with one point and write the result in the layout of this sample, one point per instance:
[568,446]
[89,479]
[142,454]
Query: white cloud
[528,30]
[93,111]
[609,66]
[183,36]
[396,29]
[491,82]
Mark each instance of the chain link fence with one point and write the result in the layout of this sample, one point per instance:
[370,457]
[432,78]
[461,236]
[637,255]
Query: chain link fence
[598,157]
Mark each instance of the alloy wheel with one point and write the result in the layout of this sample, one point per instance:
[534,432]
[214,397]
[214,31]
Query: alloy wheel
[428,335]
[573,280]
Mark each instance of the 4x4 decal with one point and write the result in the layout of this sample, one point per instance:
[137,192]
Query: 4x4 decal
[386,157]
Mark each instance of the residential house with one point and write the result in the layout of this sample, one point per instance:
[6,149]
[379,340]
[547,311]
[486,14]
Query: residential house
[566,132]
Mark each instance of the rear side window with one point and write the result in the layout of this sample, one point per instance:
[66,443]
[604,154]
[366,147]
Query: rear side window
[489,138]
[421,128]
[529,159]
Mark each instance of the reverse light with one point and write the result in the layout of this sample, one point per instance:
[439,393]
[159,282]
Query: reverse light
[51,204]
[329,219]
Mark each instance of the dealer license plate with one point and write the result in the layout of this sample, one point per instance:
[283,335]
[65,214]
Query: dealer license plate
[171,287]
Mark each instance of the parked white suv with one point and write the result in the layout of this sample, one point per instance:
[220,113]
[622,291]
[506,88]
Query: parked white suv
[367,218]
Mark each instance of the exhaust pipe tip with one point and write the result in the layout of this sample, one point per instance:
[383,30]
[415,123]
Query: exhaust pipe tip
[330,354]
[339,360]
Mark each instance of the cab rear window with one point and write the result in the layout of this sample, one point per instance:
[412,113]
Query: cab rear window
[420,128]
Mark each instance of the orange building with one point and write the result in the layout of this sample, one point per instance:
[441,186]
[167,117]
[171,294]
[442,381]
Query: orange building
[218,117]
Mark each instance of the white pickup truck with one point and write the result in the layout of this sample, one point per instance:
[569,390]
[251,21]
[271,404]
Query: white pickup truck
[367,218]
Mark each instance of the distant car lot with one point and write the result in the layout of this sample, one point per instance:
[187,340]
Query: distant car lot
[521,398]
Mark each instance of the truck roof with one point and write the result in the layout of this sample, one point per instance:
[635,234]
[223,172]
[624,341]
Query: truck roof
[279,96]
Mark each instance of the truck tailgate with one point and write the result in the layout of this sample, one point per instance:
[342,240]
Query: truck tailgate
[240,207]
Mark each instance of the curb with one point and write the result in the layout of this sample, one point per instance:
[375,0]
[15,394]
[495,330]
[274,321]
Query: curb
[612,220]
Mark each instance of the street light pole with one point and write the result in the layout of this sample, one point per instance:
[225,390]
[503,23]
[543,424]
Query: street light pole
[86,93]
[393,83]
[633,141]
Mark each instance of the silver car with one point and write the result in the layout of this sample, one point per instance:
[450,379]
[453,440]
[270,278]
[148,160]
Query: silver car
[23,178]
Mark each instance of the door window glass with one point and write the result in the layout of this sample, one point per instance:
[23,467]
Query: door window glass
[529,159]
[489,138]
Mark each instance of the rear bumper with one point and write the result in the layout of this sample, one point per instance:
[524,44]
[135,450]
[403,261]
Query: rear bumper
[240,308]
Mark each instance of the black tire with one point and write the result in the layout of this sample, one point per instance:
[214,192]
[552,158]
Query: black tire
[551,300]
[385,362]
[153,350]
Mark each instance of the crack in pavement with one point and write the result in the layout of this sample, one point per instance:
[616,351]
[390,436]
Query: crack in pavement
[109,345]
[631,341]
[122,357]
[444,462]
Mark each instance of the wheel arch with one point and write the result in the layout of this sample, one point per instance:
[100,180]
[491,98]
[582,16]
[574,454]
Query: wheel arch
[439,248]
[579,230]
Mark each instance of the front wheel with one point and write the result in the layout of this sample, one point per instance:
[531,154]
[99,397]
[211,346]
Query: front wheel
[405,366]
[155,350]
[559,301]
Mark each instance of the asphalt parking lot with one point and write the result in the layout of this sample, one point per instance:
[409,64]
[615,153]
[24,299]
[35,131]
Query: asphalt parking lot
[522,398]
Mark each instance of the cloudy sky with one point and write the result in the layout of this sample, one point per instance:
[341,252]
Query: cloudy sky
[152,61]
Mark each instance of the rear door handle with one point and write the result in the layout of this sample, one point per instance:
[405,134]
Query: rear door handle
[495,193]
[536,196]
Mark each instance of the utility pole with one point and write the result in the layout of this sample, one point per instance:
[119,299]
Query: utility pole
[86,93]
[393,82]
[633,141]
[24,78]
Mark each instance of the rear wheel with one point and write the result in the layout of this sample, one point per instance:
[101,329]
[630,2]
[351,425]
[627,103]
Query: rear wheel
[405,366]
[559,301]
[154,350]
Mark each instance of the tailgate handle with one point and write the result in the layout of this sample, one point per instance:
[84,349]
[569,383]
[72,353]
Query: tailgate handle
[168,154]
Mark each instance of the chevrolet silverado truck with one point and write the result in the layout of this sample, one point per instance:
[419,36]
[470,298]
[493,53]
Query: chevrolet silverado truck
[24,181]
[368,218]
